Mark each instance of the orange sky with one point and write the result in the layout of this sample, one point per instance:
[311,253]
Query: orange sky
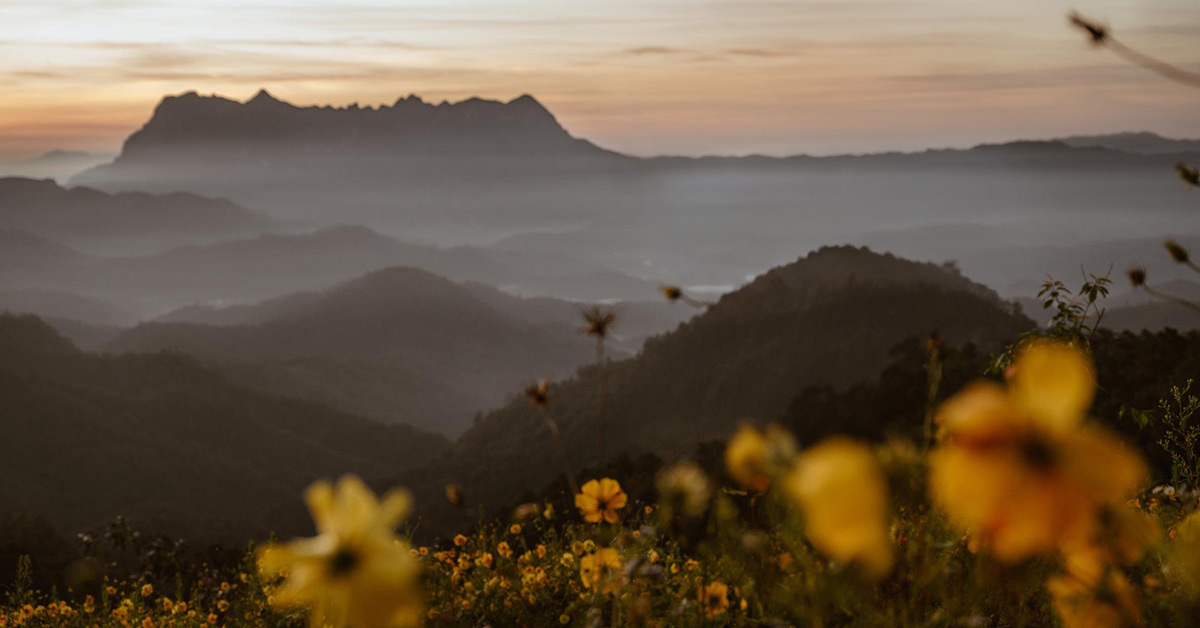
[641,76]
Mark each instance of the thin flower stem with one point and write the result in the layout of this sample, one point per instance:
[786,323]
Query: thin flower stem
[1179,75]
[552,425]
[1171,299]
[699,305]
[602,365]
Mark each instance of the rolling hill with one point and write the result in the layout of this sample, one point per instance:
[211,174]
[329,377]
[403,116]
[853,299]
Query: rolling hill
[249,269]
[169,443]
[829,318]
[398,345]
[509,174]
[83,215]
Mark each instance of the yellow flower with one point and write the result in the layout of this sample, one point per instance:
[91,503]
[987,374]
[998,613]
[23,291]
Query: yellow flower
[1018,469]
[353,573]
[460,540]
[601,499]
[503,549]
[601,571]
[1093,595]
[147,590]
[843,499]
[755,458]
[714,599]
[1185,553]
[514,529]
[485,560]
[684,487]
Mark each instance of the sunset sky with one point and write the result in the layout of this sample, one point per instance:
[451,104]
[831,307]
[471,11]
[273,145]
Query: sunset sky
[640,76]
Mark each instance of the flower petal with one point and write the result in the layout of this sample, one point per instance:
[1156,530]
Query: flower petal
[1054,383]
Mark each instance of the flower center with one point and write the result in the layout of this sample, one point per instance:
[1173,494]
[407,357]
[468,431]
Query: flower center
[1038,453]
[343,561]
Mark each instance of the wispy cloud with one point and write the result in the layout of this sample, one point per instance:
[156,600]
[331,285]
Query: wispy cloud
[638,75]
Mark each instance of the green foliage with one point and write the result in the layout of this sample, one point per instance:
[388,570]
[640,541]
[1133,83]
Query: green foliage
[1181,438]
[1076,315]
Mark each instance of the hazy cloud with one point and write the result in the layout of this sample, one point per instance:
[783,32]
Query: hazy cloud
[654,50]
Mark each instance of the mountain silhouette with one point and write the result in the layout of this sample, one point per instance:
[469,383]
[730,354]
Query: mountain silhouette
[1142,142]
[401,345]
[80,214]
[59,165]
[248,269]
[168,443]
[829,318]
[23,252]
[486,172]
[219,137]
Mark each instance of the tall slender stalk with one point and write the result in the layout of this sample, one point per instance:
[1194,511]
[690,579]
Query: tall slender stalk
[602,365]
[597,322]
[552,425]
[933,374]
[539,396]
[1101,36]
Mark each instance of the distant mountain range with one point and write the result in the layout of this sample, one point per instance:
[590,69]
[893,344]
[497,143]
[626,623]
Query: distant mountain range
[247,269]
[399,345]
[83,215]
[828,318]
[59,165]
[264,136]
[169,443]
[490,172]
[1143,142]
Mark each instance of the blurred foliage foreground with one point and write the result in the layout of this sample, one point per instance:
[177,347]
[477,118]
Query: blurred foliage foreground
[1015,510]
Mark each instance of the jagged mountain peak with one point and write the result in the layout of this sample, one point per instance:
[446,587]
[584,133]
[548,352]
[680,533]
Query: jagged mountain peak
[193,140]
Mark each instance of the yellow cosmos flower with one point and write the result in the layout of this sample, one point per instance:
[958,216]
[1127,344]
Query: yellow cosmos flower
[601,499]
[601,571]
[754,458]
[1018,469]
[1185,551]
[685,488]
[843,499]
[714,599]
[1093,595]
[355,573]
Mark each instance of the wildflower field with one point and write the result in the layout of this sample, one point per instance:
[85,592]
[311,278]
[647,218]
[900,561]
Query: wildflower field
[1007,505]
[1015,510]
